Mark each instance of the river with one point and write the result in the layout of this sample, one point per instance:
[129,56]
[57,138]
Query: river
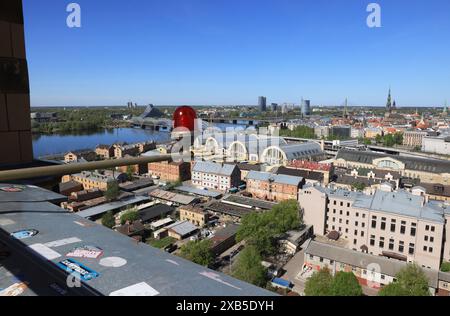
[44,144]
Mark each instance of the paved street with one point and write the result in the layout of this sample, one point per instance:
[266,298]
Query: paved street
[293,268]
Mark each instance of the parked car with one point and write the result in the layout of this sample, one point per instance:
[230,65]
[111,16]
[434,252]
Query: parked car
[170,248]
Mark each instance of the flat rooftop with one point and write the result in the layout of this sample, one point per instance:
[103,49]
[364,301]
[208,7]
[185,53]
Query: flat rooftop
[122,265]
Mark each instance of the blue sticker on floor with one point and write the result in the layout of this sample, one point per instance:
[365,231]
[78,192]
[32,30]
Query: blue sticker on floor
[78,269]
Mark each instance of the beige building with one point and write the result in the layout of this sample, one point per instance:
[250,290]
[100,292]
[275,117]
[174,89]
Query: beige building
[105,151]
[74,156]
[90,180]
[396,225]
[193,214]
[413,138]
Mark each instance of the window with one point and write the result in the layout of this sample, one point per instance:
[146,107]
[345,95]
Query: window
[403,228]
[433,228]
[411,249]
[427,227]
[348,204]
[401,246]
[383,223]
[342,203]
[356,224]
[430,249]
[356,233]
[372,240]
[381,244]
[413,231]
[374,223]
[425,248]
[362,233]
[431,239]
[357,214]
[392,227]
[391,244]
[426,238]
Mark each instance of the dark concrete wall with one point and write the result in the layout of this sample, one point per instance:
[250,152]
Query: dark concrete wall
[15,126]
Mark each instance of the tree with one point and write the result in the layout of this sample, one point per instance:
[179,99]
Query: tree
[261,229]
[319,284]
[411,281]
[445,267]
[130,171]
[112,192]
[108,220]
[199,252]
[345,284]
[129,216]
[358,186]
[248,267]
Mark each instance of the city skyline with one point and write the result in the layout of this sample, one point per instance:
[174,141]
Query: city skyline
[198,52]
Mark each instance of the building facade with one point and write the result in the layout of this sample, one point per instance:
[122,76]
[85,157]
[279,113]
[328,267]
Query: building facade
[91,180]
[396,225]
[170,171]
[273,187]
[216,176]
[193,214]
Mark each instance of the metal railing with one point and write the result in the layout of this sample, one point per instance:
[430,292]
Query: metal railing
[71,168]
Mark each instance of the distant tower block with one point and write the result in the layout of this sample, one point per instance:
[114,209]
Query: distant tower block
[306,107]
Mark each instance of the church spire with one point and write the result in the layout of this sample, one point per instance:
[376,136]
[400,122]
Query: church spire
[389,101]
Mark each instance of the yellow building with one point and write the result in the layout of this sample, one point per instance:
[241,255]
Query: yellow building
[194,215]
[90,180]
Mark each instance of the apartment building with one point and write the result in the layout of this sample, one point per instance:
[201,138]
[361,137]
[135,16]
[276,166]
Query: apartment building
[414,139]
[221,177]
[105,151]
[397,225]
[121,151]
[273,187]
[79,155]
[90,180]
[170,171]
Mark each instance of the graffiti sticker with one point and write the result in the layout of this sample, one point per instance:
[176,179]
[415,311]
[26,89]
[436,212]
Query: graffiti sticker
[14,290]
[78,269]
[86,251]
[26,233]
[11,189]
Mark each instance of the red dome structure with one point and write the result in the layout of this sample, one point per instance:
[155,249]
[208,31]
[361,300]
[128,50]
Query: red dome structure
[184,116]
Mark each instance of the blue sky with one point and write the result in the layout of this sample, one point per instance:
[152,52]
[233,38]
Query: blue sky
[232,51]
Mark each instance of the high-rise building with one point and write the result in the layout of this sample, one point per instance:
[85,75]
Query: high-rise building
[274,107]
[306,107]
[262,103]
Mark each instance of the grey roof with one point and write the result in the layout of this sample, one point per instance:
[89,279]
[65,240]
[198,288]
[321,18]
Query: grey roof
[401,203]
[197,191]
[363,260]
[161,273]
[111,206]
[214,168]
[276,178]
[300,151]
[29,193]
[307,174]
[172,197]
[411,163]
[248,202]
[183,228]
[228,209]
[154,211]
